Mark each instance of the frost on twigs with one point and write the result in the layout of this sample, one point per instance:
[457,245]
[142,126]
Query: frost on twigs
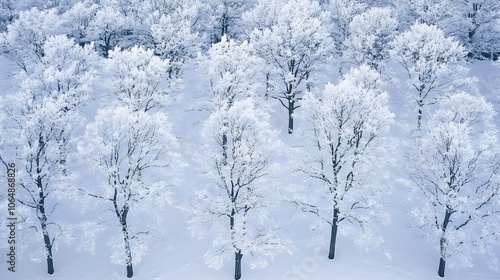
[236,206]
[135,151]
[295,46]
[431,66]
[344,148]
[43,116]
[139,79]
[454,170]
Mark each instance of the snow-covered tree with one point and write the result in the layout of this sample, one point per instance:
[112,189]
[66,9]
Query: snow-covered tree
[134,150]
[139,79]
[42,116]
[445,14]
[430,65]
[236,205]
[342,12]
[190,16]
[7,14]
[263,14]
[369,36]
[175,38]
[10,9]
[226,14]
[76,20]
[343,151]
[233,71]
[295,46]
[472,22]
[454,172]
[24,39]
[107,27]
[480,32]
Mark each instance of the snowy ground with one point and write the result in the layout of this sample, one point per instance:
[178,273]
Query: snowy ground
[412,258]
[181,257]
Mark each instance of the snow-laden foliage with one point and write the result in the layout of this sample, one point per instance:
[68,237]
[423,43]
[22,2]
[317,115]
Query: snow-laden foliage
[76,21]
[454,173]
[107,27]
[344,149]
[7,14]
[131,142]
[295,46]
[24,39]
[175,38]
[474,23]
[369,36]
[233,52]
[445,14]
[263,14]
[479,26]
[194,13]
[233,70]
[139,79]
[342,12]
[430,67]
[66,71]
[135,151]
[226,14]
[42,116]
[235,207]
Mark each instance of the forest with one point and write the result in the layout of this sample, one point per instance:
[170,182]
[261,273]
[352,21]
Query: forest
[249,139]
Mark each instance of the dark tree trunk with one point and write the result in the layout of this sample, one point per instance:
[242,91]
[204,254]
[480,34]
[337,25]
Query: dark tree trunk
[419,118]
[224,148]
[237,255]
[128,251]
[130,271]
[122,217]
[237,264]
[442,243]
[442,265]
[333,236]
[224,25]
[42,216]
[48,250]
[291,105]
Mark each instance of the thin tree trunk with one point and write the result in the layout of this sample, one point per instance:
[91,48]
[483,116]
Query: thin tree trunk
[442,243]
[333,236]
[48,250]
[291,105]
[224,148]
[419,117]
[43,222]
[237,264]
[442,265]
[128,251]
[224,25]
[122,217]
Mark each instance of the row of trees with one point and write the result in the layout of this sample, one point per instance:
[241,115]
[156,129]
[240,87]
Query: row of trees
[473,22]
[131,145]
[295,38]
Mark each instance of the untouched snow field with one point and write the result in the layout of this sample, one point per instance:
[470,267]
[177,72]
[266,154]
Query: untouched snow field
[181,256]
